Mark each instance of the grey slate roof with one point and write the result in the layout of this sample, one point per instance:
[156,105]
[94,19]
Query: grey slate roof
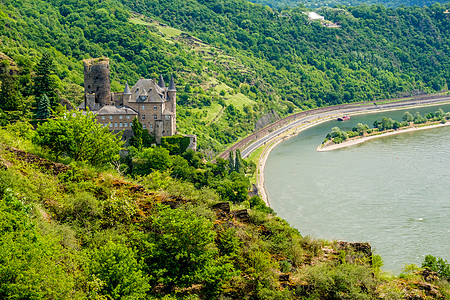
[161,82]
[116,110]
[127,89]
[172,87]
[143,92]
[153,91]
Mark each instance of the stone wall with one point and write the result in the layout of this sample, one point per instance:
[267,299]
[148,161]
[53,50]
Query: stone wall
[96,80]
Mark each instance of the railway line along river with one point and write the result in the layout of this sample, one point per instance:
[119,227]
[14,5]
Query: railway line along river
[391,191]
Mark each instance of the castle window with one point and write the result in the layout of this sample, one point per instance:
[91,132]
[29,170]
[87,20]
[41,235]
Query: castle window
[167,117]
[155,107]
[131,124]
[103,117]
[143,117]
[143,107]
[150,126]
[155,117]
[143,126]
[110,124]
[120,124]
[115,124]
[128,117]
[125,124]
[110,117]
[120,117]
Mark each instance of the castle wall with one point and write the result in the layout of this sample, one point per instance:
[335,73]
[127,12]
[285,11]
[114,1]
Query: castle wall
[117,99]
[115,122]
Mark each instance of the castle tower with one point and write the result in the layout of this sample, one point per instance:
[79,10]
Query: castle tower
[172,91]
[96,81]
[126,94]
[172,99]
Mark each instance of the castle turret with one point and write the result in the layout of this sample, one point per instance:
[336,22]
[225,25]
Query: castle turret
[96,81]
[161,82]
[172,101]
[172,91]
[126,94]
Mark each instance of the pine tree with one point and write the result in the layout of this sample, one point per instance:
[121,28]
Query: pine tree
[43,108]
[9,93]
[138,131]
[238,164]
[231,161]
[43,82]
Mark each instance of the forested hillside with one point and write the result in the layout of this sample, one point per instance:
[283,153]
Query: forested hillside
[283,4]
[77,223]
[233,61]
[80,221]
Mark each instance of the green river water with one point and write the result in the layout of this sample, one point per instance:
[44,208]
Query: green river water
[392,192]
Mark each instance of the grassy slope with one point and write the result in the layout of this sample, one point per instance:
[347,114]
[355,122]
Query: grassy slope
[120,209]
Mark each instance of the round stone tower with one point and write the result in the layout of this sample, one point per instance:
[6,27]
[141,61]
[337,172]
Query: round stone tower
[96,80]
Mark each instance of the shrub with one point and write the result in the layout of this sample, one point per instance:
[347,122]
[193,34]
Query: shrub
[117,272]
[345,281]
[438,265]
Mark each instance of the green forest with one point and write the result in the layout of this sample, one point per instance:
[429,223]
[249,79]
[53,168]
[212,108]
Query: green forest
[233,61]
[85,216]
[286,4]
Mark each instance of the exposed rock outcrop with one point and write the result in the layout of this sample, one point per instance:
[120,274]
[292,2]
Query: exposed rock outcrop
[267,119]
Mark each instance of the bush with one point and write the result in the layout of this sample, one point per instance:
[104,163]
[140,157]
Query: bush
[80,137]
[345,281]
[115,271]
[258,204]
[32,266]
[184,250]
[438,265]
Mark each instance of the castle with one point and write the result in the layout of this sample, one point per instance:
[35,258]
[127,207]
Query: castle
[152,103]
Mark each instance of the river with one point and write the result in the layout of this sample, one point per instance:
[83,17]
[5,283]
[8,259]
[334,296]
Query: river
[391,192]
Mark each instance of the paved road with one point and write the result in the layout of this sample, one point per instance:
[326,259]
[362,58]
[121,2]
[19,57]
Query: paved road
[348,109]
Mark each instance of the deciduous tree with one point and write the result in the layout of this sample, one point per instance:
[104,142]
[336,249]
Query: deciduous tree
[78,135]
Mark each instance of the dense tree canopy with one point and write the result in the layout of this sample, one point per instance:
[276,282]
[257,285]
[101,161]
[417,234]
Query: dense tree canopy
[251,59]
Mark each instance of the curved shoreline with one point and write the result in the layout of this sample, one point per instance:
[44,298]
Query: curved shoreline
[289,133]
[359,140]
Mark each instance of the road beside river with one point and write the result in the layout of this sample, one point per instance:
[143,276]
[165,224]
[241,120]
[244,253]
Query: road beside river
[289,127]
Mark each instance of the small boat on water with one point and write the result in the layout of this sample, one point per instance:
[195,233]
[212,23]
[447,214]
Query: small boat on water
[344,118]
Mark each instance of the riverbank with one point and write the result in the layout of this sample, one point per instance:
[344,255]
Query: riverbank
[292,131]
[358,140]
